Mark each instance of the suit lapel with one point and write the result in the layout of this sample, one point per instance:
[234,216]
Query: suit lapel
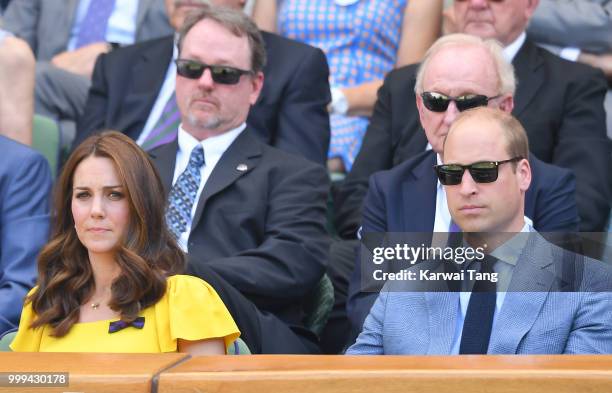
[66,17]
[420,191]
[143,7]
[164,158]
[239,159]
[154,61]
[530,285]
[530,76]
[144,89]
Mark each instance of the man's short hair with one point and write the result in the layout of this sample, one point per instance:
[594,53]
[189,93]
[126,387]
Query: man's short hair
[517,143]
[505,70]
[235,21]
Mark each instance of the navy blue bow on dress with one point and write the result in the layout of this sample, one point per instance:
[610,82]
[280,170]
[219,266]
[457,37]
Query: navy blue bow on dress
[115,326]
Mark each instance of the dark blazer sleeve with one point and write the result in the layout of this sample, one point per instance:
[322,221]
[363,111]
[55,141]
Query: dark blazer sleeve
[25,185]
[359,302]
[583,146]
[303,121]
[96,106]
[289,244]
[375,155]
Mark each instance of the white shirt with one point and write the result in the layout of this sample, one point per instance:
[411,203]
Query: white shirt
[214,147]
[511,50]
[504,267]
[121,26]
[163,96]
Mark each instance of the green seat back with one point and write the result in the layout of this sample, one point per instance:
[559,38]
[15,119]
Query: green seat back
[6,340]
[319,305]
[238,347]
[46,140]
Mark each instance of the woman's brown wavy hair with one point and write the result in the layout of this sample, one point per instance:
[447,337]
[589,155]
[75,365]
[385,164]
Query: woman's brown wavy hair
[147,255]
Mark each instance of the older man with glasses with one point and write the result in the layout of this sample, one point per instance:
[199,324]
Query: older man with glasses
[559,103]
[512,296]
[459,72]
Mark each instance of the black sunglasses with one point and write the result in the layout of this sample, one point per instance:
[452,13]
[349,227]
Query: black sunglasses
[437,102]
[225,75]
[481,172]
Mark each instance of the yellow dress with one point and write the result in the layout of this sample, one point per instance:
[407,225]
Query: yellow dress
[190,310]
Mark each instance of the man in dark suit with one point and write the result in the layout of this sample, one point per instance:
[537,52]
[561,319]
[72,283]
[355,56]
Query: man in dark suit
[129,91]
[559,103]
[250,216]
[25,183]
[408,198]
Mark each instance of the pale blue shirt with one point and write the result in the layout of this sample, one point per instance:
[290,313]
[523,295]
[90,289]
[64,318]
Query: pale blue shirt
[121,24]
[507,258]
[214,147]
[163,96]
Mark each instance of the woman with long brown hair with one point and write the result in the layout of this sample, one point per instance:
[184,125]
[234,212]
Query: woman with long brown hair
[108,277]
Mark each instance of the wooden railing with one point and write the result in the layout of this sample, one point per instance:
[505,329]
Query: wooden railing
[178,373]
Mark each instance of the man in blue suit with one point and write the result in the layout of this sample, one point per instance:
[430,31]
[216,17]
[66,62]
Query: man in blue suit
[25,182]
[458,72]
[536,307]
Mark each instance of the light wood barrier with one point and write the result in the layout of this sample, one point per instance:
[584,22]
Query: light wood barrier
[177,373]
[366,374]
[87,372]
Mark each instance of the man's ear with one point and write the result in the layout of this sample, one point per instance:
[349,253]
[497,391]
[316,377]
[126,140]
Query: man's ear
[507,103]
[530,8]
[523,172]
[257,82]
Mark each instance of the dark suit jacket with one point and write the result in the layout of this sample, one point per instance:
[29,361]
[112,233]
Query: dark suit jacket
[25,184]
[559,103]
[290,113]
[263,229]
[403,199]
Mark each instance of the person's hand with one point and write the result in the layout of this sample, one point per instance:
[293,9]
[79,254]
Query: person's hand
[602,61]
[81,61]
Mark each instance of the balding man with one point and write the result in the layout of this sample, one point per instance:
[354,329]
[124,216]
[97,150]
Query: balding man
[510,299]
[459,72]
[559,103]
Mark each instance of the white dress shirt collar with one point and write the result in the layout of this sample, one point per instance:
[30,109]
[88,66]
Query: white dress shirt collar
[511,50]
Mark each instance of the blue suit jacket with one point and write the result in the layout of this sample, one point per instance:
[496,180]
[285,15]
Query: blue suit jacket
[403,199]
[547,321]
[25,183]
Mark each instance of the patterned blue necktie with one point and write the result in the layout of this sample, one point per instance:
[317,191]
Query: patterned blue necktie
[94,24]
[183,193]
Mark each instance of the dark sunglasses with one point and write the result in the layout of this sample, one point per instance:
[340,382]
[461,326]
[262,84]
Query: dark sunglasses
[225,75]
[437,102]
[481,172]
